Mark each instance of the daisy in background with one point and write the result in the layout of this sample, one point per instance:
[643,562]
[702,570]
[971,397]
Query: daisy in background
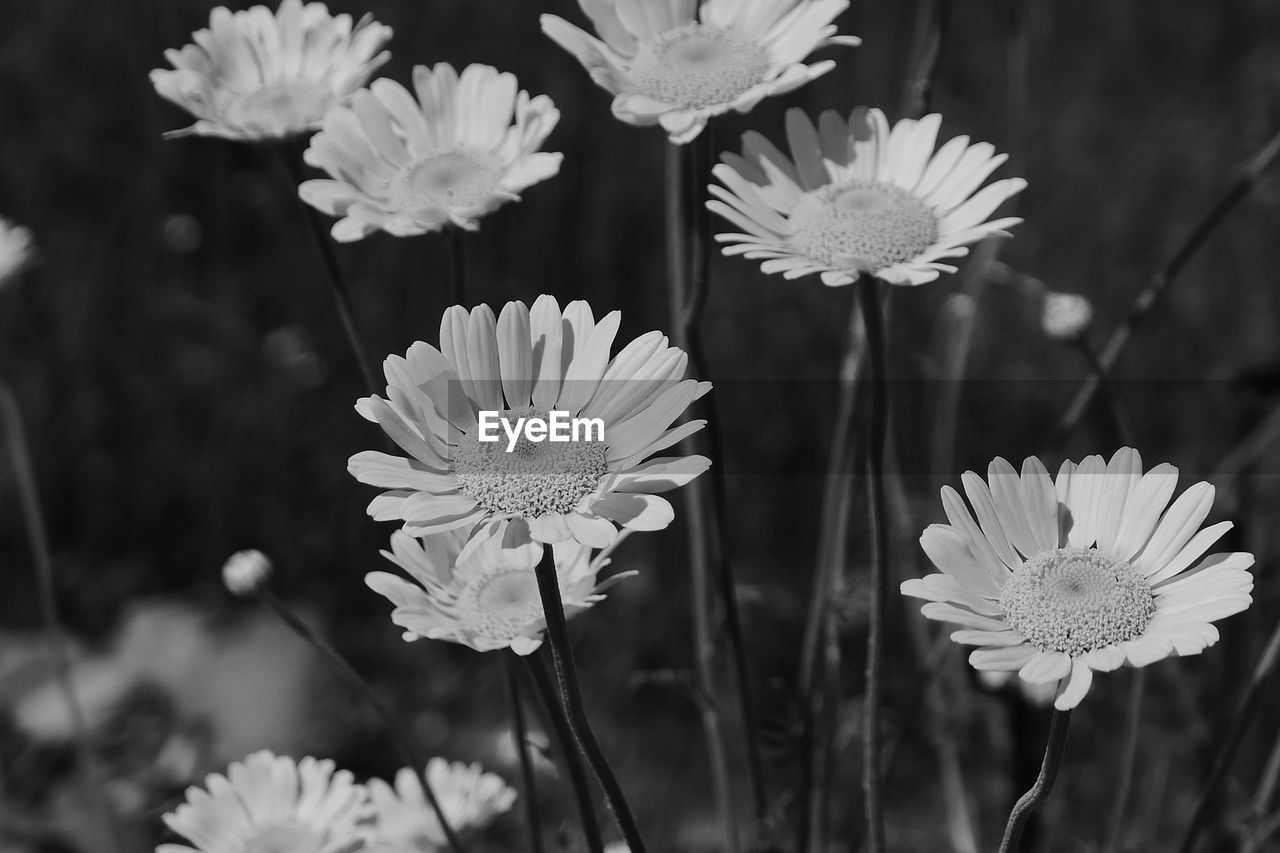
[678,64]
[269,803]
[1056,580]
[255,75]
[15,250]
[466,145]
[529,363]
[490,599]
[856,197]
[470,798]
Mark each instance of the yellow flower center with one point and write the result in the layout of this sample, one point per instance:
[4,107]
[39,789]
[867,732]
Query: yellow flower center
[280,109]
[861,225]
[1075,600]
[461,179]
[283,839]
[501,604]
[698,66]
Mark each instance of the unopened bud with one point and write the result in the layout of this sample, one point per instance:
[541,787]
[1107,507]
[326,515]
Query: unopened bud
[1067,316]
[15,250]
[245,572]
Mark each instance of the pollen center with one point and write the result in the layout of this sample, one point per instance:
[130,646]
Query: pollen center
[1075,600]
[534,478]
[698,66]
[282,839]
[862,225]
[457,179]
[501,604]
[279,109]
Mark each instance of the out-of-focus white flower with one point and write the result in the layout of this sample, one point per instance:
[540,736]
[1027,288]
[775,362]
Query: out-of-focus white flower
[617,847]
[467,145]
[1039,695]
[15,250]
[256,75]
[245,572]
[1067,316]
[469,798]
[673,63]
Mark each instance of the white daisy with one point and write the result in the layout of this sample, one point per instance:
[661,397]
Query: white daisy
[672,63]
[257,75]
[267,804]
[467,145]
[469,798]
[489,600]
[531,363]
[1057,580]
[15,250]
[856,197]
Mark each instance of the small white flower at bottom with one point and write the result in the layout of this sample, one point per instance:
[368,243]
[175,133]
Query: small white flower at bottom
[470,798]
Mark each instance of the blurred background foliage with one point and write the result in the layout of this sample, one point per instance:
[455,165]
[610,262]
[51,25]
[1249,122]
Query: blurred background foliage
[189,394]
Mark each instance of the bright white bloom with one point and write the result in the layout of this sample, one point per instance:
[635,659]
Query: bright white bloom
[245,571]
[469,798]
[672,63]
[467,145]
[531,363]
[489,600]
[856,197]
[15,250]
[1057,580]
[1066,316]
[257,75]
[267,804]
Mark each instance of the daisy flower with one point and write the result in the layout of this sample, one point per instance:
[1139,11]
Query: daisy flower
[465,146]
[469,798]
[672,63]
[15,250]
[268,803]
[1058,579]
[530,364]
[855,197]
[254,75]
[489,600]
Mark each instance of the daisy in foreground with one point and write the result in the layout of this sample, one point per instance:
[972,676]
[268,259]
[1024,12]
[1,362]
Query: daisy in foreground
[856,197]
[470,799]
[530,364]
[269,803]
[668,62]
[256,75]
[489,600]
[1058,579]
[467,145]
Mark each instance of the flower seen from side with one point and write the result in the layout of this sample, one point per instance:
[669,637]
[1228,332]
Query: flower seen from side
[470,799]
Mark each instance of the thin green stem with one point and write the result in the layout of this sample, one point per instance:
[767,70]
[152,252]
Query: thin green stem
[521,733]
[457,265]
[1111,394]
[1039,791]
[1128,760]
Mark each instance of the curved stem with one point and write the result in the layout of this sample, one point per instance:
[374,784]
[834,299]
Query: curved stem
[457,265]
[347,673]
[1039,791]
[571,700]
[521,733]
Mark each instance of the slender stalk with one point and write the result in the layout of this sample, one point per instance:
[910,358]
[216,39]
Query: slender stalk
[457,265]
[537,670]
[571,701]
[56,637]
[1115,404]
[520,730]
[337,283]
[1128,760]
[347,673]
[1039,791]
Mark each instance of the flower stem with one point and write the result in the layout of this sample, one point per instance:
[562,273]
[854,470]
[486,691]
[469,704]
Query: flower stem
[288,156]
[571,701]
[1115,404]
[1128,760]
[457,265]
[347,673]
[38,538]
[1040,789]
[520,731]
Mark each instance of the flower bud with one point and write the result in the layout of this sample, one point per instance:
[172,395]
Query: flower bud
[15,250]
[245,572]
[1067,316]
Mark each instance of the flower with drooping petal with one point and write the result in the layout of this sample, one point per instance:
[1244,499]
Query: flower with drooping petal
[531,363]
[1059,579]
[15,250]
[672,63]
[257,75]
[489,600]
[470,799]
[858,198]
[467,145]
[271,803]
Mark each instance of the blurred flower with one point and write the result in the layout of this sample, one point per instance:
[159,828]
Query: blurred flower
[488,600]
[617,847]
[246,571]
[1034,694]
[254,75]
[15,250]
[1055,581]
[266,803]
[468,144]
[856,197]
[668,62]
[1067,316]
[528,364]
[469,798]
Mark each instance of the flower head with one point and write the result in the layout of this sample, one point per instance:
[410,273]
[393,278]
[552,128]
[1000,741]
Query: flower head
[245,572]
[1057,580]
[256,75]
[1066,316]
[531,364]
[856,197]
[668,62]
[267,803]
[15,250]
[466,145]
[469,798]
